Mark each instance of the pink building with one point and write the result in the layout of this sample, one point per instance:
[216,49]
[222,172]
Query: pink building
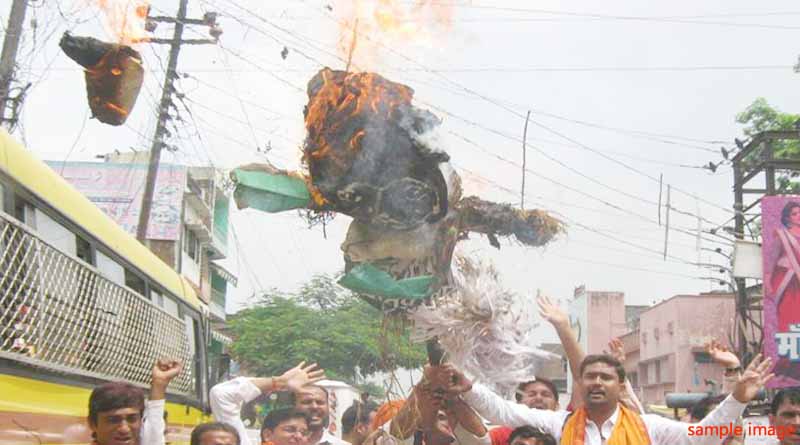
[671,337]
[597,318]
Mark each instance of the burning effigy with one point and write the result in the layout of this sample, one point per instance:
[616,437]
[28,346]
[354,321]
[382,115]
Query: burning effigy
[372,155]
[113,74]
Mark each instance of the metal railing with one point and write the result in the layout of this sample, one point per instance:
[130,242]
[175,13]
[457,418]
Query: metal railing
[61,314]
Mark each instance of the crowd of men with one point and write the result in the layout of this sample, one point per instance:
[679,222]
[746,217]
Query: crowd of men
[446,407]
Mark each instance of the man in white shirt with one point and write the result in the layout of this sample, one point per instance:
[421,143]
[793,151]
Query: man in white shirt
[227,399]
[605,421]
[119,415]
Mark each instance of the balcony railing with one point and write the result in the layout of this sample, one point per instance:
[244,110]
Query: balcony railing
[58,313]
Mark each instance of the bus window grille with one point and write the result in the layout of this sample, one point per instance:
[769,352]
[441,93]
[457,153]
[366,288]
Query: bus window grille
[61,314]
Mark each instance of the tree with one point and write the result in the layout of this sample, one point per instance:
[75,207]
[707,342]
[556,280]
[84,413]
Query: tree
[760,117]
[322,323]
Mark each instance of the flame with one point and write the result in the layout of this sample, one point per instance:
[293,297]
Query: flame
[125,19]
[339,111]
[390,23]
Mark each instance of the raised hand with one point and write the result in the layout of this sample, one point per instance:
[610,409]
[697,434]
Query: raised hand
[722,355]
[452,380]
[302,375]
[165,370]
[753,379]
[551,312]
[617,349]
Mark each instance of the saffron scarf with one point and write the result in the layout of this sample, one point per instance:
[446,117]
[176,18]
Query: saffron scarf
[628,430]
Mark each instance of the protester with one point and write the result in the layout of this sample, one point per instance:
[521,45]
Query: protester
[227,399]
[357,421]
[118,414]
[314,402]
[540,393]
[215,433]
[784,414]
[603,418]
[528,435]
[431,418]
[575,354]
[286,426]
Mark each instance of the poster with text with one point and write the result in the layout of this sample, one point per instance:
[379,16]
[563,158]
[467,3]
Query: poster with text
[117,189]
[780,225]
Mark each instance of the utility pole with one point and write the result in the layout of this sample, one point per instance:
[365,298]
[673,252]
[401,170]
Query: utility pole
[166,98]
[9,55]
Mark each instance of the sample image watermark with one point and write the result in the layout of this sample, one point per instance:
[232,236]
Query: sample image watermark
[752,430]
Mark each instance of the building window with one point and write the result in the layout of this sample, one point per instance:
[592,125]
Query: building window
[191,245]
[702,357]
[644,338]
[656,334]
[658,371]
[670,328]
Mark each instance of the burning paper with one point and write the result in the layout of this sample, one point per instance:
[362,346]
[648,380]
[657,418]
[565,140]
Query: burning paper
[113,74]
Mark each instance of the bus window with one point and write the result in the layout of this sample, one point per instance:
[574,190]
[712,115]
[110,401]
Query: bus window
[110,268]
[192,335]
[54,233]
[83,250]
[135,282]
[24,211]
[170,305]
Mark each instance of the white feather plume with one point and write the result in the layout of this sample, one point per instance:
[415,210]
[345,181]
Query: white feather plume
[484,329]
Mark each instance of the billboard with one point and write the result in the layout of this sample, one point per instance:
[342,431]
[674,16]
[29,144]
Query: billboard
[780,222]
[117,189]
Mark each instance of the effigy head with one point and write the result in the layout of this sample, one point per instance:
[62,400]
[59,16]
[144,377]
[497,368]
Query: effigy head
[366,152]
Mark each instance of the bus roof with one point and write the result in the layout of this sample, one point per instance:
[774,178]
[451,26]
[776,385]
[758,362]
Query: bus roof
[49,186]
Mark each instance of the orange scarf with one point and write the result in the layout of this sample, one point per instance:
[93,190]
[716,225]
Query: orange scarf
[628,430]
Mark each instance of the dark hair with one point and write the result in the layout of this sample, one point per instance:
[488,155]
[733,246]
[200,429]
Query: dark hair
[700,410]
[787,211]
[199,430]
[115,395]
[604,358]
[357,413]
[546,382]
[293,395]
[529,431]
[792,395]
[278,416]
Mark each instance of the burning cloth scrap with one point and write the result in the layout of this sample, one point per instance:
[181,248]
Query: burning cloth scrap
[113,73]
[373,155]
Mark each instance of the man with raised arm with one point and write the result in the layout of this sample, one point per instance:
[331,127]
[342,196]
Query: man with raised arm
[603,419]
[227,399]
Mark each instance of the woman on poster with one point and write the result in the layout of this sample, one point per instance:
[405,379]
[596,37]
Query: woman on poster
[784,279]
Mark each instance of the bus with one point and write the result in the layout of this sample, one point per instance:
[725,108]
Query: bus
[82,303]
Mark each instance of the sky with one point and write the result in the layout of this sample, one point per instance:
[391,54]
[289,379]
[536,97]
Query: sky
[620,93]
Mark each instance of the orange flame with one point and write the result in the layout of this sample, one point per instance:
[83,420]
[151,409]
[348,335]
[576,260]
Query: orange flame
[125,19]
[390,23]
[338,111]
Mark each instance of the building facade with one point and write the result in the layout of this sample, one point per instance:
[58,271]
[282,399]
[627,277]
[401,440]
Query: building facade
[672,337]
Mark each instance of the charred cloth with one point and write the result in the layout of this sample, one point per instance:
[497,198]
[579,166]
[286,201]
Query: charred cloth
[113,73]
[366,152]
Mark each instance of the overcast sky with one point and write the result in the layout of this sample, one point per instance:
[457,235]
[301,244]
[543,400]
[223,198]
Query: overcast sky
[651,85]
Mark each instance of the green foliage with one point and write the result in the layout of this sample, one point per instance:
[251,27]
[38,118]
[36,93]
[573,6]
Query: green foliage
[760,117]
[325,324]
